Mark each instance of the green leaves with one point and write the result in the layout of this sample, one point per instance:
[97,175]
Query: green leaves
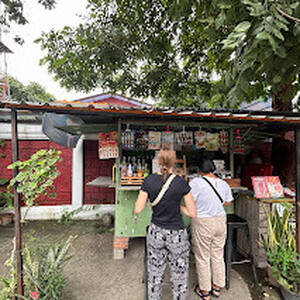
[236,37]
[33,92]
[171,50]
[36,175]
[242,27]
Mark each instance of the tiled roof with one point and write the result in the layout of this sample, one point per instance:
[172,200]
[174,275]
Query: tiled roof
[107,98]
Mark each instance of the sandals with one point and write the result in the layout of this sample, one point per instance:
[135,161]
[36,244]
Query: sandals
[200,293]
[215,291]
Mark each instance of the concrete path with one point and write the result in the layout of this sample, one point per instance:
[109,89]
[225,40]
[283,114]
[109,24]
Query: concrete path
[93,274]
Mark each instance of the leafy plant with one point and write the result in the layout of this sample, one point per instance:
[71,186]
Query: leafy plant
[66,217]
[286,267]
[10,283]
[281,231]
[43,267]
[36,175]
[280,246]
[43,272]
[6,197]
[2,144]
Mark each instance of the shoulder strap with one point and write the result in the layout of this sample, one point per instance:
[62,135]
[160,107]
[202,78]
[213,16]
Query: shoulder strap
[163,190]
[213,188]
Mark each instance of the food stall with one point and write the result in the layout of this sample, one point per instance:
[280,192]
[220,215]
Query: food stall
[227,144]
[133,136]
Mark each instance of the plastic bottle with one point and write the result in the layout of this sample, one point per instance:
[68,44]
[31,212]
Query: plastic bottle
[134,166]
[140,172]
[124,167]
[129,170]
[146,170]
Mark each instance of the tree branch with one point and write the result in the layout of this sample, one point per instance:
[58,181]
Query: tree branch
[287,16]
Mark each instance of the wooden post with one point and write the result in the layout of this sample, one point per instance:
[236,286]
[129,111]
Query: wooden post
[297,151]
[18,231]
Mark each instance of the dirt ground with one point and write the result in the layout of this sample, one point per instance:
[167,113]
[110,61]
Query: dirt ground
[92,273]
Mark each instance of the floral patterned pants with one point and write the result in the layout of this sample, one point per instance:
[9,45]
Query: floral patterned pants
[167,245]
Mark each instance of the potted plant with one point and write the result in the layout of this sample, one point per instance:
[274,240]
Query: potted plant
[280,247]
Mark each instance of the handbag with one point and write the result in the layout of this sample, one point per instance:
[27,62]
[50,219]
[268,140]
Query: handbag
[221,199]
[162,191]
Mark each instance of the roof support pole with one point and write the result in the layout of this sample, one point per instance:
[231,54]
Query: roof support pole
[231,154]
[297,151]
[17,208]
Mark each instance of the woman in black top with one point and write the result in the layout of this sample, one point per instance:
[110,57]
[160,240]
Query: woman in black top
[167,238]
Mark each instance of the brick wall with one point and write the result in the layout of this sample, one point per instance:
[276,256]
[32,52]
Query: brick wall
[93,168]
[63,184]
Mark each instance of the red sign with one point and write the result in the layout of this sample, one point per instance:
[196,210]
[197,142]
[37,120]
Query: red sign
[267,187]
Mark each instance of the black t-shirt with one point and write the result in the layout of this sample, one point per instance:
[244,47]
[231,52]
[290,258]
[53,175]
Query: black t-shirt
[166,213]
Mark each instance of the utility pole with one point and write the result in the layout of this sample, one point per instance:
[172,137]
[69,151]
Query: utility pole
[4,87]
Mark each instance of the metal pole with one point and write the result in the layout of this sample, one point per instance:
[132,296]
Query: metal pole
[18,231]
[297,151]
[231,154]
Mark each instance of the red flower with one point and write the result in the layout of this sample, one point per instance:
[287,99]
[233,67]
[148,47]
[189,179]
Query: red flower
[34,295]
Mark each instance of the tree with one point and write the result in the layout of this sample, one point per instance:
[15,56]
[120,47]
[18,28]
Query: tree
[12,11]
[33,92]
[221,51]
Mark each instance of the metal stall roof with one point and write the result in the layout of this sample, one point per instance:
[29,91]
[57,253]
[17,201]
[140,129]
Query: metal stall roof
[96,113]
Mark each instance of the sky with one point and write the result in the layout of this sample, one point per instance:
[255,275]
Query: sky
[23,64]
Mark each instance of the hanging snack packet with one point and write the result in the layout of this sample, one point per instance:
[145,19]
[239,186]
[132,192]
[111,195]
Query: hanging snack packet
[141,139]
[154,140]
[186,140]
[178,142]
[224,141]
[239,147]
[200,137]
[212,141]
[167,139]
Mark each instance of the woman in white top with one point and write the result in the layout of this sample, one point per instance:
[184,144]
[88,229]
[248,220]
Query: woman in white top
[209,229]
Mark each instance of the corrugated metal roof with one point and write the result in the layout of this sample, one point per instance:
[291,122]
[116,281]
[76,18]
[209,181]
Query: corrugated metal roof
[258,105]
[161,113]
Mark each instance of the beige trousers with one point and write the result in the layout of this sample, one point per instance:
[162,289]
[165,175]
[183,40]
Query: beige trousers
[209,235]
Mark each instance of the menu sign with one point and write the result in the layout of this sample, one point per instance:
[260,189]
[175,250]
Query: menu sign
[108,145]
[267,186]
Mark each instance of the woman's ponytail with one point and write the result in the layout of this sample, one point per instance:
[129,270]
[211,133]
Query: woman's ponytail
[167,161]
[165,172]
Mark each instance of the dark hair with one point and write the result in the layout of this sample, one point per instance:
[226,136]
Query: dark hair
[206,166]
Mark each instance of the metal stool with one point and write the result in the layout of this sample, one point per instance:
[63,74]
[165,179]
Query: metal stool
[235,222]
